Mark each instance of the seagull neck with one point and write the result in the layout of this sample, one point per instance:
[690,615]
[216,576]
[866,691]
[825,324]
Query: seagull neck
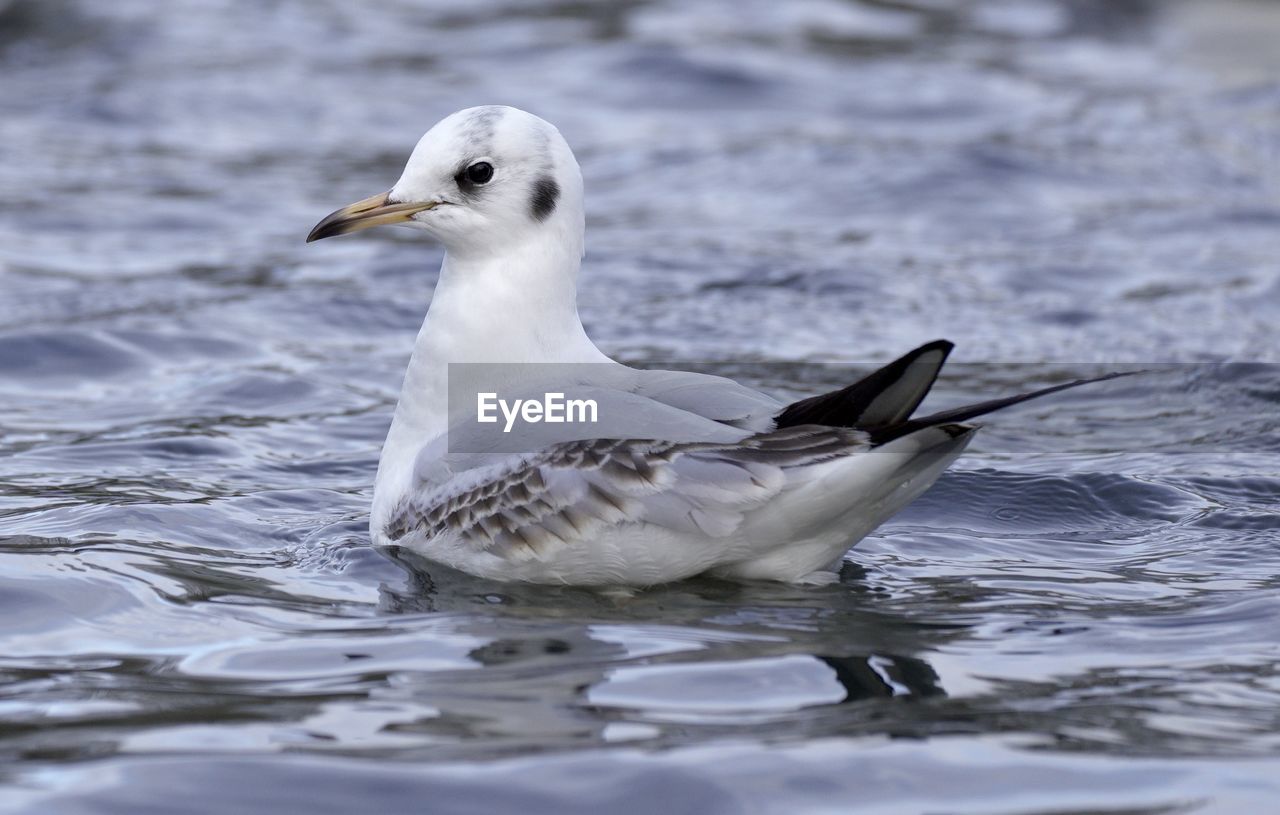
[518,306]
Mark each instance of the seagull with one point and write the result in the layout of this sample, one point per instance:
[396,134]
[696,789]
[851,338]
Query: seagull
[678,473]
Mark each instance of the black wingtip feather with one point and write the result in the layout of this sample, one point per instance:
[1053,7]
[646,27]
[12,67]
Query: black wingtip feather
[882,402]
[883,398]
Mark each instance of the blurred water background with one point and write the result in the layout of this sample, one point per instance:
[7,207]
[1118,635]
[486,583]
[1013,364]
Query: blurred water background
[1081,617]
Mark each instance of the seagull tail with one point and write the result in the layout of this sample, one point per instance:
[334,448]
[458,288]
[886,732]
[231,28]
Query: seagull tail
[882,402]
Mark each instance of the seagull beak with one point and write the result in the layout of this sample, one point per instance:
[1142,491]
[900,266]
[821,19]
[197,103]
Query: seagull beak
[373,211]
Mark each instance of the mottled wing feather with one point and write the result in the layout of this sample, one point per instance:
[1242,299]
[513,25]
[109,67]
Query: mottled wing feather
[524,505]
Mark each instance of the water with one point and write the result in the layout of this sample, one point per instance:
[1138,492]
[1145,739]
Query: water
[1082,616]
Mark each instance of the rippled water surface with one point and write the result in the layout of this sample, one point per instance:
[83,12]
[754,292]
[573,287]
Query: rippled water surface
[1082,616]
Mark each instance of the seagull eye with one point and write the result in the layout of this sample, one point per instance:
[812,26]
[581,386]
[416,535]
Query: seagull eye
[480,172]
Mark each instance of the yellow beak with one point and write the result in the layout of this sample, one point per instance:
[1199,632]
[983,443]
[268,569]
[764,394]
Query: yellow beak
[373,211]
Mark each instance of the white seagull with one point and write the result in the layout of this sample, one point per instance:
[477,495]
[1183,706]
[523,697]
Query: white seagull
[680,474]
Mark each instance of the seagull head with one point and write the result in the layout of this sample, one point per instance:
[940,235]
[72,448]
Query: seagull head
[482,177]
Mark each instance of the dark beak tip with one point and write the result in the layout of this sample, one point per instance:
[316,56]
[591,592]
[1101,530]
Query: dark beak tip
[350,218]
[322,230]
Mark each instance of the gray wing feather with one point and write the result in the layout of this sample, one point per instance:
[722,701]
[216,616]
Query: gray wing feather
[712,397]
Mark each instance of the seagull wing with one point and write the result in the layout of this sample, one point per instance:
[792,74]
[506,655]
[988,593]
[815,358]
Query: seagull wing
[526,505]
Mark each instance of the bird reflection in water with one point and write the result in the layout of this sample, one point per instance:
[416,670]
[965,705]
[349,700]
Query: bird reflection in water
[571,666]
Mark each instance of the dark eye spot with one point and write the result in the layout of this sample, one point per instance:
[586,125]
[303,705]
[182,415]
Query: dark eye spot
[480,172]
[545,194]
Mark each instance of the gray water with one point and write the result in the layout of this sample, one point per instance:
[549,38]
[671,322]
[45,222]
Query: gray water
[1081,617]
